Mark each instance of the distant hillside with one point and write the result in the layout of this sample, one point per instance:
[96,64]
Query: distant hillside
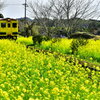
[92,26]
[27,18]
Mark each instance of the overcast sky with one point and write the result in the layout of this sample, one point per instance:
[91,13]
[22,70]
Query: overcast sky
[15,8]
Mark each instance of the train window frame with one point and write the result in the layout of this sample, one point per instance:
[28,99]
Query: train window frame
[9,25]
[14,25]
[3,25]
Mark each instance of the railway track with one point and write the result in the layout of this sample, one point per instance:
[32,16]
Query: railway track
[71,59]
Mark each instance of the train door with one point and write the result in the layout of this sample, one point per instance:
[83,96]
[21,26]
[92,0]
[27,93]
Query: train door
[9,28]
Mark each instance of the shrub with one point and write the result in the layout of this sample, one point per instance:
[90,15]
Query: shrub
[82,35]
[76,43]
[98,32]
[39,38]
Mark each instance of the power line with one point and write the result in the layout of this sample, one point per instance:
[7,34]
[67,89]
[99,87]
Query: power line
[19,4]
[12,4]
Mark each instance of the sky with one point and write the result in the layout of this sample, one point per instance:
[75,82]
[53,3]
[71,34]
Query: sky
[13,8]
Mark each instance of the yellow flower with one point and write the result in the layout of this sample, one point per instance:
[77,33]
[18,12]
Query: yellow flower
[62,90]
[86,81]
[41,88]
[31,99]
[24,90]
[52,83]
[17,88]
[19,98]
[94,86]
[85,64]
[46,91]
[91,58]
[5,93]
[2,85]
[55,90]
[84,89]
[22,94]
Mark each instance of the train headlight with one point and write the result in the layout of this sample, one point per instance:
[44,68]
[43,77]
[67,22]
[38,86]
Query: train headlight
[8,20]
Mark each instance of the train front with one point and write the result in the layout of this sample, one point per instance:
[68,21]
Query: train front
[8,28]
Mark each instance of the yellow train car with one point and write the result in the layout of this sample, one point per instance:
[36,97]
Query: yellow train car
[8,28]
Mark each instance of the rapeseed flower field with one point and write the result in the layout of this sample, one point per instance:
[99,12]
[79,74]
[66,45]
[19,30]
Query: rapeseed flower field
[90,52]
[29,75]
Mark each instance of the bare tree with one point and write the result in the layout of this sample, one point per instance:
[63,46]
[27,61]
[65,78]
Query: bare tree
[79,9]
[71,10]
[42,14]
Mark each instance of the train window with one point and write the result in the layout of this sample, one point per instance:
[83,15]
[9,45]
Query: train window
[14,25]
[8,24]
[3,25]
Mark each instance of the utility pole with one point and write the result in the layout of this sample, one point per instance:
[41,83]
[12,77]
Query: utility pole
[25,6]
[25,9]
[25,21]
